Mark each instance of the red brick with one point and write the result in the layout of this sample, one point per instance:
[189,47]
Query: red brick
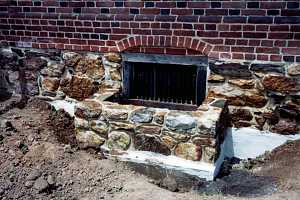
[291,51]
[242,49]
[273,50]
[175,51]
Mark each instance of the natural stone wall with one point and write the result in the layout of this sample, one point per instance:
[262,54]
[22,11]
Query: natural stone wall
[262,95]
[193,135]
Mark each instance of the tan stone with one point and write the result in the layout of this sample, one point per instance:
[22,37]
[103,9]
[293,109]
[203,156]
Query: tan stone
[81,123]
[238,97]
[177,136]
[280,83]
[88,108]
[202,140]
[294,69]
[168,141]
[119,140]
[109,87]
[159,117]
[243,83]
[78,87]
[121,125]
[187,151]
[215,78]
[148,129]
[116,112]
[113,57]
[72,59]
[115,74]
[90,67]
[89,138]
[50,84]
[209,154]
[99,127]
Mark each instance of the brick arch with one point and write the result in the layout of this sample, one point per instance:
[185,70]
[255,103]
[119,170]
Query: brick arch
[191,43]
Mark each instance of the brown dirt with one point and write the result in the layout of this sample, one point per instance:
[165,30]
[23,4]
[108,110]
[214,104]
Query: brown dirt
[29,145]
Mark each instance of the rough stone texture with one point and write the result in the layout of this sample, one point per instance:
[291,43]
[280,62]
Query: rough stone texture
[237,114]
[115,125]
[50,84]
[71,58]
[115,74]
[99,127]
[209,154]
[243,83]
[187,151]
[118,140]
[113,57]
[181,137]
[90,67]
[238,97]
[230,69]
[202,140]
[265,68]
[215,78]
[179,121]
[116,112]
[150,143]
[143,115]
[285,126]
[169,141]
[294,70]
[34,63]
[53,70]
[281,84]
[148,129]
[159,117]
[81,123]
[88,108]
[78,87]
[89,139]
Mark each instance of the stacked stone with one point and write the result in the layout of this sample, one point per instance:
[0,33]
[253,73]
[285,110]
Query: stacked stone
[192,135]
[261,95]
[81,76]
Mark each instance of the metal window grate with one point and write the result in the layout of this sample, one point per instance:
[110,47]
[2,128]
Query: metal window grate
[164,83]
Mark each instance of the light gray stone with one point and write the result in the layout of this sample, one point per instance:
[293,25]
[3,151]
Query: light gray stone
[180,121]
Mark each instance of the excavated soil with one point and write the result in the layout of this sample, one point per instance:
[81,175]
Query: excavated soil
[39,159]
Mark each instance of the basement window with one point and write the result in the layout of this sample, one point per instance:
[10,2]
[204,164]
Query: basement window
[174,82]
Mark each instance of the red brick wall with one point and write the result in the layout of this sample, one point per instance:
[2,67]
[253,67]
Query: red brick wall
[251,30]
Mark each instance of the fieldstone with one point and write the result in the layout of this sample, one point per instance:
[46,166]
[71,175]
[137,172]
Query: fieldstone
[50,84]
[109,64]
[276,96]
[209,154]
[34,63]
[7,56]
[90,67]
[50,180]
[271,117]
[118,140]
[159,117]
[88,108]
[243,83]
[289,110]
[285,127]
[180,121]
[53,70]
[89,138]
[116,112]
[168,141]
[41,184]
[238,97]
[294,69]
[266,67]
[115,74]
[204,141]
[143,115]
[280,83]
[237,114]
[121,126]
[178,136]
[242,123]
[113,57]
[260,121]
[81,123]
[151,143]
[187,151]
[230,69]
[148,129]
[215,78]
[99,127]
[109,87]
[78,87]
[71,58]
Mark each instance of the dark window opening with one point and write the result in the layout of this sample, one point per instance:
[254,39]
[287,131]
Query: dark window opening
[169,84]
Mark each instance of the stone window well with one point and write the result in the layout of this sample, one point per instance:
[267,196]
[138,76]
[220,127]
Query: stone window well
[174,82]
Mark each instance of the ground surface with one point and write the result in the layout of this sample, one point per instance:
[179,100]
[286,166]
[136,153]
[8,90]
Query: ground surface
[35,164]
